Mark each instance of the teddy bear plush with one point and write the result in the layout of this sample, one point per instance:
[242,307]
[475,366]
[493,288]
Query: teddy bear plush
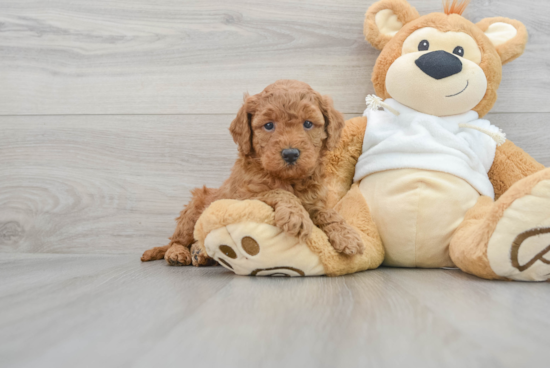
[421,176]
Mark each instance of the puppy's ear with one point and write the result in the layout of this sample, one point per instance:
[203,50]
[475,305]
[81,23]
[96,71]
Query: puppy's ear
[334,122]
[385,18]
[509,36]
[240,126]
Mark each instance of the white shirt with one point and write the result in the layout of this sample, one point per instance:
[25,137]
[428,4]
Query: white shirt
[414,140]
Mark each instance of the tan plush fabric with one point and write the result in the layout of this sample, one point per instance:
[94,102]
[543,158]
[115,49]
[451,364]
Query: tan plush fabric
[257,249]
[490,62]
[340,162]
[402,9]
[229,211]
[511,164]
[225,223]
[469,244]
[525,226]
[515,47]
[417,212]
[229,221]
[412,87]
[355,211]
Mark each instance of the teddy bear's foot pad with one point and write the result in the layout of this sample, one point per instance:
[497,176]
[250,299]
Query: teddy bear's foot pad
[520,246]
[259,249]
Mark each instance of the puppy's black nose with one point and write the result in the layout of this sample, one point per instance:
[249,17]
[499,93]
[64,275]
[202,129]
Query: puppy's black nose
[439,64]
[290,155]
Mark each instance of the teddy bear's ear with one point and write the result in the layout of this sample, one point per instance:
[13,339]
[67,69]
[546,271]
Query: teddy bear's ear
[507,35]
[385,18]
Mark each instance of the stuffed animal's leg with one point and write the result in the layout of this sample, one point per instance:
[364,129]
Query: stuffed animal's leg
[508,239]
[245,237]
[199,257]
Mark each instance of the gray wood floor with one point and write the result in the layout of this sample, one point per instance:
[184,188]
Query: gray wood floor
[112,310]
[111,111]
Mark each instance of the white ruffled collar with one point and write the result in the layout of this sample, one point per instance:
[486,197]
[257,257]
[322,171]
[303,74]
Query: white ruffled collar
[466,120]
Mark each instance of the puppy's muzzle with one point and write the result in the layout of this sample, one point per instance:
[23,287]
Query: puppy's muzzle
[290,155]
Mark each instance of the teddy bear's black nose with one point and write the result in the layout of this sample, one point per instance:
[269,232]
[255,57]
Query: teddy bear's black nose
[439,64]
[290,155]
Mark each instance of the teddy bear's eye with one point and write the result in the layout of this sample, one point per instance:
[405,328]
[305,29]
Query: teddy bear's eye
[423,45]
[459,51]
[269,126]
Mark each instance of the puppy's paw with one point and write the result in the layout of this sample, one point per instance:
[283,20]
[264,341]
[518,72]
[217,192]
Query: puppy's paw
[294,220]
[200,258]
[178,255]
[344,239]
[154,254]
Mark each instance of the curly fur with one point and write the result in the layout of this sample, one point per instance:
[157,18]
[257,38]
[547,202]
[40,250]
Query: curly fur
[297,192]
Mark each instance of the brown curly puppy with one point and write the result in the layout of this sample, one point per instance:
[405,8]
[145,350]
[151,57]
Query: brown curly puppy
[283,134]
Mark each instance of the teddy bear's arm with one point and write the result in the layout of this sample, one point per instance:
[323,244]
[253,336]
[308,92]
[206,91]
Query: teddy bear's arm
[511,164]
[340,162]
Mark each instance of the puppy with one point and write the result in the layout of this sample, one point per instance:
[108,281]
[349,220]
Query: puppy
[282,135]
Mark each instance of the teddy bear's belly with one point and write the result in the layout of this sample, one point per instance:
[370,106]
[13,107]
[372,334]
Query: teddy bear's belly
[417,212]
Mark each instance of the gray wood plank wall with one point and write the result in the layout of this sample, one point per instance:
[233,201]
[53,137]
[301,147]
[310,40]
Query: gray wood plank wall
[111,111]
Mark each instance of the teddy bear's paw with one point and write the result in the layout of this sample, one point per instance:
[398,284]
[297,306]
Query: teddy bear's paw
[295,221]
[519,248]
[199,258]
[259,249]
[178,255]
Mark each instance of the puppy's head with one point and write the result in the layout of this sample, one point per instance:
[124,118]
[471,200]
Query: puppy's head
[287,127]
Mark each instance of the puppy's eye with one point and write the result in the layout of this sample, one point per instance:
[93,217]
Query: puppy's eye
[423,45]
[269,126]
[459,51]
[308,125]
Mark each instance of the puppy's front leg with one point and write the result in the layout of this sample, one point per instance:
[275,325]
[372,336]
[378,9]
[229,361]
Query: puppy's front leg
[290,214]
[342,236]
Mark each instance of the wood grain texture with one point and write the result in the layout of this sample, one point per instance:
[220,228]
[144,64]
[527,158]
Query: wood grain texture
[104,184]
[113,311]
[114,184]
[199,56]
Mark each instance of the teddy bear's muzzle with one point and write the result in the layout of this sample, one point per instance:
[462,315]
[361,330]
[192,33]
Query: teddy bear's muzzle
[439,64]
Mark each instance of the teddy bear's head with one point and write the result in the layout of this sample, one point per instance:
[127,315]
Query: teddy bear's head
[440,64]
